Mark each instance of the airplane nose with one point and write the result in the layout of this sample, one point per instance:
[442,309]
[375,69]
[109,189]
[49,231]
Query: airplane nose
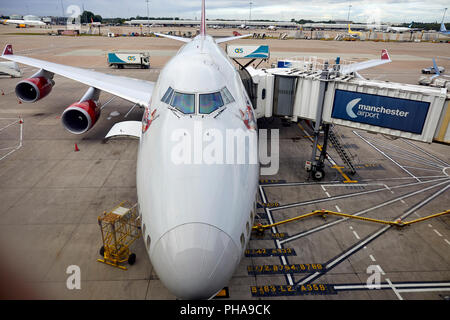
[195,260]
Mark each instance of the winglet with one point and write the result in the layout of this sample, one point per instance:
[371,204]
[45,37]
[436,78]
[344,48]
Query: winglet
[8,50]
[385,55]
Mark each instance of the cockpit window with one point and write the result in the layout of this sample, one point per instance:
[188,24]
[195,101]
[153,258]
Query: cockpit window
[184,102]
[226,96]
[167,96]
[210,102]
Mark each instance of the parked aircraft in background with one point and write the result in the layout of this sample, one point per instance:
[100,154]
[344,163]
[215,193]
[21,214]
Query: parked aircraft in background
[25,23]
[443,28]
[400,29]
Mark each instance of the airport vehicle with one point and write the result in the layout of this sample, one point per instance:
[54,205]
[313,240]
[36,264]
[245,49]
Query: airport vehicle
[437,80]
[123,58]
[400,29]
[197,214]
[431,70]
[272,28]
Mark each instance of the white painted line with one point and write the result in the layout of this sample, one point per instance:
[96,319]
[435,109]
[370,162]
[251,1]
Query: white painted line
[381,270]
[388,188]
[448,242]
[323,188]
[338,209]
[356,235]
[423,290]
[394,289]
[274,230]
[14,149]
[351,228]
[430,226]
[401,287]
[437,232]
[328,195]
[304,234]
[427,153]
[372,258]
[386,156]
[365,247]
[344,196]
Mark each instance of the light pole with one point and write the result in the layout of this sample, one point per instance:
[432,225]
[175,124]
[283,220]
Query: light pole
[148,19]
[250,18]
[348,17]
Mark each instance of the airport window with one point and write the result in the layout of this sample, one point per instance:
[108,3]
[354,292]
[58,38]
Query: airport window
[210,102]
[242,240]
[247,226]
[167,96]
[226,96]
[184,102]
[148,242]
[143,228]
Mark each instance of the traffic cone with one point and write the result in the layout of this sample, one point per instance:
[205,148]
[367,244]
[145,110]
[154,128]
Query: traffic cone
[76,148]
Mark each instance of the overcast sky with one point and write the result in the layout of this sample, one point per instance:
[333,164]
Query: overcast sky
[284,10]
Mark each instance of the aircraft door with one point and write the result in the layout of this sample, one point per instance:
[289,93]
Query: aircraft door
[284,95]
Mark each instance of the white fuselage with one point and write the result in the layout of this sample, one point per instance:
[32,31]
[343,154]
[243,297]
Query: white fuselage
[398,29]
[196,217]
[25,22]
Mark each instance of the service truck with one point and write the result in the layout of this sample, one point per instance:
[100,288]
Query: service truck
[123,58]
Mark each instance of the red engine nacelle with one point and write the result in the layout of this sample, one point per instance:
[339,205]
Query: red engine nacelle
[80,116]
[34,89]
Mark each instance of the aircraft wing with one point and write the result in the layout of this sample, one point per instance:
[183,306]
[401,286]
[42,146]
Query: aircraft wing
[186,40]
[355,67]
[134,90]
[222,40]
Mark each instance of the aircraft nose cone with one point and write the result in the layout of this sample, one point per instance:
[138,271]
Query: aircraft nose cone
[195,260]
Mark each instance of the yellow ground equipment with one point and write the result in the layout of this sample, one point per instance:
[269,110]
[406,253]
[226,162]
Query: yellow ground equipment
[261,228]
[120,228]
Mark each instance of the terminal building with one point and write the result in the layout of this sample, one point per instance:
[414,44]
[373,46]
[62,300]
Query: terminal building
[212,23]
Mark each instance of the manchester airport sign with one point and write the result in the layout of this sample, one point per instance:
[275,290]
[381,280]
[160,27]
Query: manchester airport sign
[387,112]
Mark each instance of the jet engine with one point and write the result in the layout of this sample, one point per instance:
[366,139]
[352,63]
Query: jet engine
[81,116]
[36,87]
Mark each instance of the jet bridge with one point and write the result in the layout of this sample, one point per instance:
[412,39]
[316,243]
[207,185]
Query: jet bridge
[326,97]
[401,110]
[248,53]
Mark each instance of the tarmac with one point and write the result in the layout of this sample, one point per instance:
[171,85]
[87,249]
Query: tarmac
[51,196]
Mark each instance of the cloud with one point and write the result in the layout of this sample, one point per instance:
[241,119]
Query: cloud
[361,11]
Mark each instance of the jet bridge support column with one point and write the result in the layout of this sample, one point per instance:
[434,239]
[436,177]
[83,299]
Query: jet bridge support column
[315,167]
